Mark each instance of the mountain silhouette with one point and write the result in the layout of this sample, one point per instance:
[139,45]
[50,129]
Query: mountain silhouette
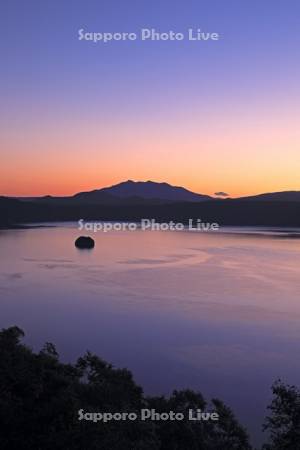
[135,200]
[150,192]
[144,190]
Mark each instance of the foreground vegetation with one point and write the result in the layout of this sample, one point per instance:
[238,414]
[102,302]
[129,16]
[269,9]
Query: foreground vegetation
[40,398]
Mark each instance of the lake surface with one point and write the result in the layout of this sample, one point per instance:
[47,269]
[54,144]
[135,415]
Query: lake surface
[216,312]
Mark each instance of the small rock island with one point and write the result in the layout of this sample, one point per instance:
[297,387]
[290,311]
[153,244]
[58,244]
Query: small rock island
[84,242]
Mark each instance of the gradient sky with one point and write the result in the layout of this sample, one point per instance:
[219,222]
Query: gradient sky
[213,116]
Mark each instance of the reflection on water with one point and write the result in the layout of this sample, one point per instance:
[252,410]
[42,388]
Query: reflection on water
[215,312]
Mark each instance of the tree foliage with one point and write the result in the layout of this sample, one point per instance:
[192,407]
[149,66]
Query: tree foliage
[283,424]
[40,398]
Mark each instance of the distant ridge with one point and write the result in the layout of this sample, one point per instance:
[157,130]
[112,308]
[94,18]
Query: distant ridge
[284,196]
[224,212]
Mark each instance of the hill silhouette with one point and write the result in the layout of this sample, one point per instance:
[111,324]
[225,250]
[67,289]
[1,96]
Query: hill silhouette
[223,212]
[160,201]
[147,192]
[285,196]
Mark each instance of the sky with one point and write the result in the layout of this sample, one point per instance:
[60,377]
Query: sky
[211,116]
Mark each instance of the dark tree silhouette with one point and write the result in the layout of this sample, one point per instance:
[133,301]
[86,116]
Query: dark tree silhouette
[283,424]
[40,398]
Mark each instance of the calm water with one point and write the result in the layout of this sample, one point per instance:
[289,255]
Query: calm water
[215,312]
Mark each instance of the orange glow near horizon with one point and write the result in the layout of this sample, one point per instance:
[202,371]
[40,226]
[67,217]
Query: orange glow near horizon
[240,154]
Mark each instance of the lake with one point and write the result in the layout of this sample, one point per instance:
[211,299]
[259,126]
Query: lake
[216,312]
